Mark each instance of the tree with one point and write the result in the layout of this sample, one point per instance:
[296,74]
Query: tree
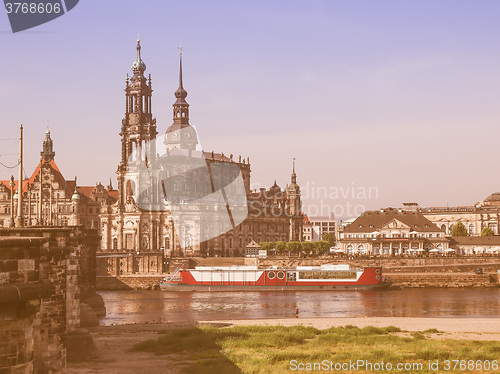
[280,247]
[266,245]
[329,237]
[459,230]
[322,247]
[487,231]
[308,248]
[294,247]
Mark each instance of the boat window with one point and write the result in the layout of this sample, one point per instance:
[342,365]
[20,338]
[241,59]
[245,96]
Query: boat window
[338,274]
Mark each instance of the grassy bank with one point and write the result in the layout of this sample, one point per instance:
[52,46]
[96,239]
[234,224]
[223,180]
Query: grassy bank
[279,349]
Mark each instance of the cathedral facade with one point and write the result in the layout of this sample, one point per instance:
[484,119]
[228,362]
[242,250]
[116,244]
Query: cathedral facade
[180,200]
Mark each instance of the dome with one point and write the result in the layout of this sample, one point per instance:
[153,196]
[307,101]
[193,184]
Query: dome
[138,64]
[75,196]
[493,197]
[492,200]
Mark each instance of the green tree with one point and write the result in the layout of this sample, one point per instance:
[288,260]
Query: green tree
[308,248]
[459,230]
[294,247]
[280,247]
[266,245]
[329,237]
[487,231]
[322,247]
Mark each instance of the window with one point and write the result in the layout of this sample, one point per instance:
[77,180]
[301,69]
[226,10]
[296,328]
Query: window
[167,243]
[494,227]
[115,243]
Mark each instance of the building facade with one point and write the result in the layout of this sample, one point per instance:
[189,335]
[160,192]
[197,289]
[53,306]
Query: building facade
[49,199]
[315,227]
[392,232]
[475,217]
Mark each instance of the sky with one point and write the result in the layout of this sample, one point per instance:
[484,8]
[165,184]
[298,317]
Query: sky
[380,102]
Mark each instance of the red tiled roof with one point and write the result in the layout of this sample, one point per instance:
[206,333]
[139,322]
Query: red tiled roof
[113,194]
[85,190]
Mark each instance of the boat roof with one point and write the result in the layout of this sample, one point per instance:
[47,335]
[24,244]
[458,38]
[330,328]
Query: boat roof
[324,267]
[234,267]
[256,268]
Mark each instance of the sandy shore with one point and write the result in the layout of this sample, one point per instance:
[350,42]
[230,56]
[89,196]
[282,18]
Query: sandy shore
[114,342]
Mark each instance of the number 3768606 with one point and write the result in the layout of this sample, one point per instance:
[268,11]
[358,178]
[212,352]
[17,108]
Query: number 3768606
[33,7]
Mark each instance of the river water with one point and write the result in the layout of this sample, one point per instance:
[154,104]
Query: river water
[158,306]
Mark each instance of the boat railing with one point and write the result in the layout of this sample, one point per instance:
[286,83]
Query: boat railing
[175,277]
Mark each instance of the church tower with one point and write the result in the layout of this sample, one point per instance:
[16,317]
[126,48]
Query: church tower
[181,135]
[138,125]
[47,148]
[294,207]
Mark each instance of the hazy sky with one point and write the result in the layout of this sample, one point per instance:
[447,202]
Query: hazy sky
[399,98]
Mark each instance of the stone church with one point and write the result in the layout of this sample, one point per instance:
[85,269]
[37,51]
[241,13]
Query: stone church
[183,201]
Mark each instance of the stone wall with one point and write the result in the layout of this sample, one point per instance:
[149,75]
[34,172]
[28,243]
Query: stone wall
[32,260]
[20,292]
[406,265]
[127,282]
[440,280]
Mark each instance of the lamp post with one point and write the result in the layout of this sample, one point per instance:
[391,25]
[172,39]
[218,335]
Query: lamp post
[12,184]
[20,218]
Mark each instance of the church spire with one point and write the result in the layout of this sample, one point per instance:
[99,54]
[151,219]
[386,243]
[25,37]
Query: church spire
[138,66]
[294,176]
[47,148]
[181,93]
[181,134]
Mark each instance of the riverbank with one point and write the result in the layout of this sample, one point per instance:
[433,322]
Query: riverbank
[399,272]
[115,342]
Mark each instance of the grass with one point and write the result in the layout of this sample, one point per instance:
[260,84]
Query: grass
[270,349]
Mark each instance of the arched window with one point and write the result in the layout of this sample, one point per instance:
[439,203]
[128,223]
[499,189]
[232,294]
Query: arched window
[361,249]
[167,243]
[385,248]
[349,248]
[115,243]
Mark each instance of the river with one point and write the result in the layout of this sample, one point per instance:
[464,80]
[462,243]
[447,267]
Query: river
[158,306]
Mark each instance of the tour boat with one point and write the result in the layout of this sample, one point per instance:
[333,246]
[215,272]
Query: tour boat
[252,278]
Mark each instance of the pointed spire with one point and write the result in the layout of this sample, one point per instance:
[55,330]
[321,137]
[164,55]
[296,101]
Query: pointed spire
[47,147]
[181,93]
[75,196]
[294,176]
[138,66]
